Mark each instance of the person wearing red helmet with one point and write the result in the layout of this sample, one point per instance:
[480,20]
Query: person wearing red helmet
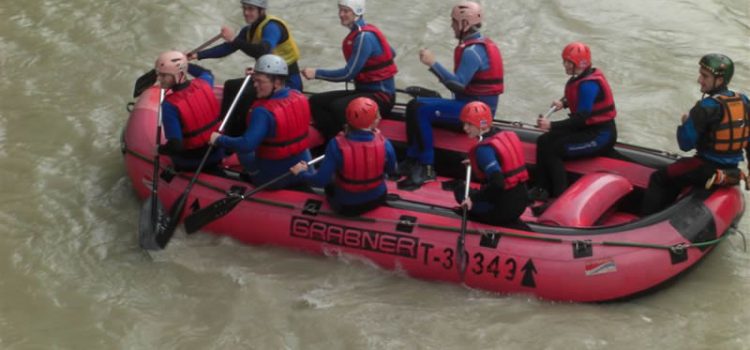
[497,160]
[189,113]
[355,163]
[588,132]
[369,63]
[717,128]
[477,76]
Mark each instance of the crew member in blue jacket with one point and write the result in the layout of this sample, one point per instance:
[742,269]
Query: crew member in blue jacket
[717,127]
[477,76]
[276,136]
[263,34]
[497,160]
[356,161]
[189,113]
[369,62]
[588,132]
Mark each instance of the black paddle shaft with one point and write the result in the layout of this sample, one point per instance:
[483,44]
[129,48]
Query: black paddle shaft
[218,209]
[461,243]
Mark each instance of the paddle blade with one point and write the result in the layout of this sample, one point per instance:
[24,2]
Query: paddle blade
[163,236]
[144,82]
[418,91]
[149,225]
[461,257]
[214,211]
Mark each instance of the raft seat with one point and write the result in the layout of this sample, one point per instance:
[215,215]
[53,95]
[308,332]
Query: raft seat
[584,202]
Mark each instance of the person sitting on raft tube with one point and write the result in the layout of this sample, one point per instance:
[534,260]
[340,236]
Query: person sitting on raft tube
[588,132]
[263,34]
[277,127]
[189,114]
[369,62]
[497,161]
[477,76]
[356,161]
[717,127]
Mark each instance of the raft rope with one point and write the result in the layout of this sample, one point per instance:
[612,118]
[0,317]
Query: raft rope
[736,230]
[678,248]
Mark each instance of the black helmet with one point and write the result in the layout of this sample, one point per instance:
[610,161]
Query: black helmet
[719,65]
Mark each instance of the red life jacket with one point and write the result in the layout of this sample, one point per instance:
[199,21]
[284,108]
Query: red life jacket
[364,163]
[509,151]
[376,68]
[487,82]
[730,135]
[292,117]
[199,113]
[603,109]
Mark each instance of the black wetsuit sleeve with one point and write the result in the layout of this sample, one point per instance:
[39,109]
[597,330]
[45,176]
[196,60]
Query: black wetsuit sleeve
[252,50]
[495,184]
[703,117]
[453,85]
[171,147]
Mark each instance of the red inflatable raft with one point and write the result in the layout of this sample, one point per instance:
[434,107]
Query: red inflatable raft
[590,245]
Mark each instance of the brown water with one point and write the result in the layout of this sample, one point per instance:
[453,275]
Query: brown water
[72,276]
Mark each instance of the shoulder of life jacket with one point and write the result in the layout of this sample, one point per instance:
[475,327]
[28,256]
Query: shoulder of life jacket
[509,151]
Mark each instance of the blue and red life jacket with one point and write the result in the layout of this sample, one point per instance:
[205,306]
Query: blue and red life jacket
[487,82]
[199,113]
[603,109]
[364,163]
[376,68]
[509,151]
[292,116]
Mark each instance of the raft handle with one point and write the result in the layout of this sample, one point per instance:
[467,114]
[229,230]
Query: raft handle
[406,223]
[312,207]
[489,238]
[582,249]
[678,253]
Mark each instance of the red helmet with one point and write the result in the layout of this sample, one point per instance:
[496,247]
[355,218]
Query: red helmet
[477,113]
[361,112]
[578,53]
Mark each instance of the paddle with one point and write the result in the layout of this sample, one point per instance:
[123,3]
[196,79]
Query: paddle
[152,210]
[553,109]
[460,254]
[549,112]
[418,91]
[175,212]
[218,209]
[147,80]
